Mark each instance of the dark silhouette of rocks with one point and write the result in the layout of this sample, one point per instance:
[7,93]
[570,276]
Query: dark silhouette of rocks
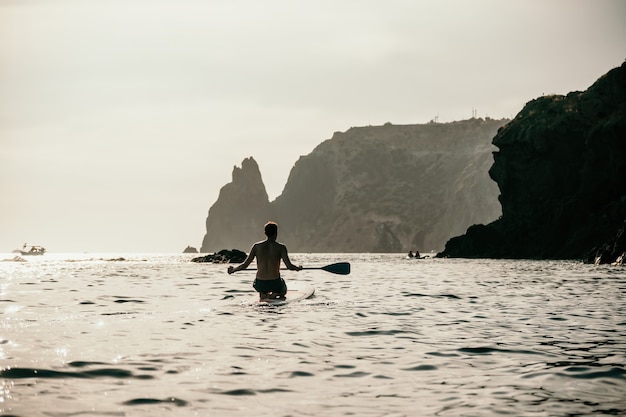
[236,219]
[613,251]
[384,188]
[222,257]
[560,168]
[190,249]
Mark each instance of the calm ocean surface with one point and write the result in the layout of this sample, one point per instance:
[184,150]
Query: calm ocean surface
[152,335]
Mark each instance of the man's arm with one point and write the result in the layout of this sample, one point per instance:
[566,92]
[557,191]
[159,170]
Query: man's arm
[287,261]
[245,263]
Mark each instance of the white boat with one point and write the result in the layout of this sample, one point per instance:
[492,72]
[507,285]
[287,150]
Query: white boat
[32,250]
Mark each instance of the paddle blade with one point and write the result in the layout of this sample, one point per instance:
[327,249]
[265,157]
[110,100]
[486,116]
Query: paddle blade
[341,268]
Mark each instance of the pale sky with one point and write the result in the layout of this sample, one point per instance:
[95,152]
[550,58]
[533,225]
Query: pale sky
[120,120]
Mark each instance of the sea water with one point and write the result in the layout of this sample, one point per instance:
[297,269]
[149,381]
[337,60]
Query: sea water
[151,335]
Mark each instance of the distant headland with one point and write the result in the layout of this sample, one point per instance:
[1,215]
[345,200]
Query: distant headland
[390,188]
[558,168]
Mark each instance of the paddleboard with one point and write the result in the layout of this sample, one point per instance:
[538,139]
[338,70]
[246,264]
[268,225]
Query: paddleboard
[290,297]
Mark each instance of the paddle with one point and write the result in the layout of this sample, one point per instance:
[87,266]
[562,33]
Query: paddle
[341,268]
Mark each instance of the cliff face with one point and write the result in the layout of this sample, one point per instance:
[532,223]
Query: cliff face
[560,168]
[237,217]
[375,189]
[390,188]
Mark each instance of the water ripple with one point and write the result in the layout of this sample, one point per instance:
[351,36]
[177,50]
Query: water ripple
[155,335]
[142,401]
[21,373]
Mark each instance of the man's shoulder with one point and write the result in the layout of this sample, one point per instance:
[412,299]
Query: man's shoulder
[274,244]
[267,243]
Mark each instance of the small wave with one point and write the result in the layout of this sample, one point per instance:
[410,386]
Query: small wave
[247,391]
[396,313]
[119,313]
[451,296]
[583,372]
[24,373]
[376,333]
[238,392]
[82,364]
[143,401]
[422,368]
[16,258]
[393,396]
[299,373]
[356,374]
[443,355]
[489,350]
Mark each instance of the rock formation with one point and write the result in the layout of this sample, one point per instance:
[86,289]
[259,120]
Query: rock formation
[560,168]
[224,256]
[237,217]
[190,249]
[390,188]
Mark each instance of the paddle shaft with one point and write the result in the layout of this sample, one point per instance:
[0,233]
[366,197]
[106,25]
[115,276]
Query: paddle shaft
[287,269]
[341,268]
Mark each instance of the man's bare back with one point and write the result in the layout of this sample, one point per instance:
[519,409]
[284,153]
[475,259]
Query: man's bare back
[268,254]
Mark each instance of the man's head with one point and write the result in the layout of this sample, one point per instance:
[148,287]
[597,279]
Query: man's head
[271,229]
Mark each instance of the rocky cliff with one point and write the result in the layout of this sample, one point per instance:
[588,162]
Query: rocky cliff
[370,189]
[390,188]
[237,217]
[560,168]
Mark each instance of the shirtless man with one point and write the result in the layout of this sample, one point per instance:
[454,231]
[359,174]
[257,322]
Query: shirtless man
[268,255]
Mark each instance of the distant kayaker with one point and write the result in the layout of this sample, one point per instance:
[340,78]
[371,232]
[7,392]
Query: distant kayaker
[268,254]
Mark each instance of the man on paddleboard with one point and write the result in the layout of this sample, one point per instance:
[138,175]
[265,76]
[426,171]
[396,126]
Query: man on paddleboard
[268,255]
